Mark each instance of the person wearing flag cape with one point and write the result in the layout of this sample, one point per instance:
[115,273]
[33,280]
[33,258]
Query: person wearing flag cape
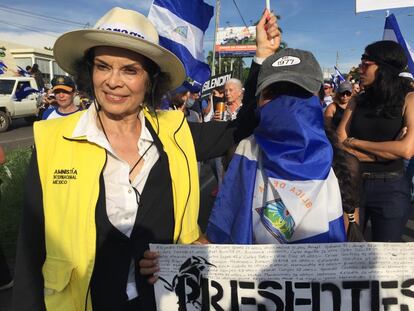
[286,189]
[104,183]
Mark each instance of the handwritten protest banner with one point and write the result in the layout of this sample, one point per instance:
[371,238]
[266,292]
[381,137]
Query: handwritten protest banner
[339,277]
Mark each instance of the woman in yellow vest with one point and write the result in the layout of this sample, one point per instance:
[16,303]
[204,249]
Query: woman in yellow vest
[106,182]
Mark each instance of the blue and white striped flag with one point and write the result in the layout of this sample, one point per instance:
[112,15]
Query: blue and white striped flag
[181,25]
[3,67]
[337,78]
[392,32]
[22,72]
[280,187]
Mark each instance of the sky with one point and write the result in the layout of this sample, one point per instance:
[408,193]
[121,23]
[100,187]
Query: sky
[329,29]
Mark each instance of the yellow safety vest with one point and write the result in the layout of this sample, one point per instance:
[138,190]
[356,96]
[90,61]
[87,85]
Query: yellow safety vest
[69,169]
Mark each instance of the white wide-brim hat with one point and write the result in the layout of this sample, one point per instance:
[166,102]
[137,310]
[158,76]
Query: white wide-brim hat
[121,28]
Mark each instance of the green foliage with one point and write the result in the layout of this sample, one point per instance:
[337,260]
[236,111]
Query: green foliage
[12,176]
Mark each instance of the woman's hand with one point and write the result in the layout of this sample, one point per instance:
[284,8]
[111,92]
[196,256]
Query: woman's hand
[149,265]
[201,240]
[268,36]
[402,133]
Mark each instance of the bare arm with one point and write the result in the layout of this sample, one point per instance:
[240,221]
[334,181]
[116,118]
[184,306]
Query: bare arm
[395,149]
[328,115]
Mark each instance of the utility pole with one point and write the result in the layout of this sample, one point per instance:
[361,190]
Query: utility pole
[337,59]
[217,22]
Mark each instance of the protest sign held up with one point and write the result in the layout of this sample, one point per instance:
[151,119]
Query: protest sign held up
[353,276]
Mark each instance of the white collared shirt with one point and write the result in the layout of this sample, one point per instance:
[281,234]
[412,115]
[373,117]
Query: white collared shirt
[121,199]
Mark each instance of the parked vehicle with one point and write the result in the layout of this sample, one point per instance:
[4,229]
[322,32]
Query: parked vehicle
[19,98]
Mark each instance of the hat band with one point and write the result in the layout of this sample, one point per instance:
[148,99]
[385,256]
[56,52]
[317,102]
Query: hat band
[63,87]
[122,29]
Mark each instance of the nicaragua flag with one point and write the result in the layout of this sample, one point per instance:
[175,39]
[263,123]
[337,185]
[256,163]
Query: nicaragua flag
[280,187]
[392,32]
[22,72]
[3,67]
[181,25]
[337,78]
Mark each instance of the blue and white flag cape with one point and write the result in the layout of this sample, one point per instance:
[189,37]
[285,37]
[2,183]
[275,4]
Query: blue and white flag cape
[392,32]
[181,25]
[280,187]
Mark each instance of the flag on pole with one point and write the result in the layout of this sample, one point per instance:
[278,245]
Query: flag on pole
[337,78]
[392,32]
[181,25]
[22,72]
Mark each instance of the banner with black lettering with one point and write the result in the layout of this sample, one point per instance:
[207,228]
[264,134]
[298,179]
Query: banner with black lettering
[215,81]
[338,277]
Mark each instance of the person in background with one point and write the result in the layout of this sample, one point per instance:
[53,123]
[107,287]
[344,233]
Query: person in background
[327,94]
[6,280]
[181,100]
[37,74]
[334,112]
[216,96]
[233,91]
[372,129]
[64,91]
[106,182]
[356,88]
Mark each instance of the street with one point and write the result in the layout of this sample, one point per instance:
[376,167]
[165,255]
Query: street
[19,135]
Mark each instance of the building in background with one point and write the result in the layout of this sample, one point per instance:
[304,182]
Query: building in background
[14,55]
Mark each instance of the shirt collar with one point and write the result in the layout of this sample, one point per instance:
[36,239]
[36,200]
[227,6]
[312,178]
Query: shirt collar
[87,127]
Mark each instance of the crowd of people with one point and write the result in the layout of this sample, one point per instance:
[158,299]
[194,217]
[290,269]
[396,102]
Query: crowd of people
[297,161]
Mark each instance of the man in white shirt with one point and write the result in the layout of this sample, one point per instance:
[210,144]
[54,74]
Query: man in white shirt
[64,91]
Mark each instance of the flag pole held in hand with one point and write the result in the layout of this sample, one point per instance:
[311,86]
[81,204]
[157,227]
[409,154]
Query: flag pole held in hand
[268,8]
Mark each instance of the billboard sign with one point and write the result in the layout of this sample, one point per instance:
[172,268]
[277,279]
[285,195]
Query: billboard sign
[236,41]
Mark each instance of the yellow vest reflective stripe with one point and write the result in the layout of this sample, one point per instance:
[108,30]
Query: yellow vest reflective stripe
[69,170]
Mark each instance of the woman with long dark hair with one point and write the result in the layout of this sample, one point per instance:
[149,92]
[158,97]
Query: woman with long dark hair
[371,130]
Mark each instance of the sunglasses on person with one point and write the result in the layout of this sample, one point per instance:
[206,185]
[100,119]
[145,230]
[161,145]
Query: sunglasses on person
[58,91]
[363,66]
[346,93]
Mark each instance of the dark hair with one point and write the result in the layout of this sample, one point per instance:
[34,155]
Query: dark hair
[388,91]
[176,100]
[35,67]
[158,83]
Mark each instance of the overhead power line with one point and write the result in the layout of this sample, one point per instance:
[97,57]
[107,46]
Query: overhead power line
[241,16]
[30,28]
[31,14]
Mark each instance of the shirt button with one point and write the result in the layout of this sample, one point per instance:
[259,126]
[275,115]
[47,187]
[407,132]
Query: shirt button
[129,190]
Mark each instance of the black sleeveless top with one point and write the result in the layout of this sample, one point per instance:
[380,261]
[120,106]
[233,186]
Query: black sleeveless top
[366,125]
[337,117]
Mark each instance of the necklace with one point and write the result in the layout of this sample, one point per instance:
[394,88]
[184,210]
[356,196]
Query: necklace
[139,159]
